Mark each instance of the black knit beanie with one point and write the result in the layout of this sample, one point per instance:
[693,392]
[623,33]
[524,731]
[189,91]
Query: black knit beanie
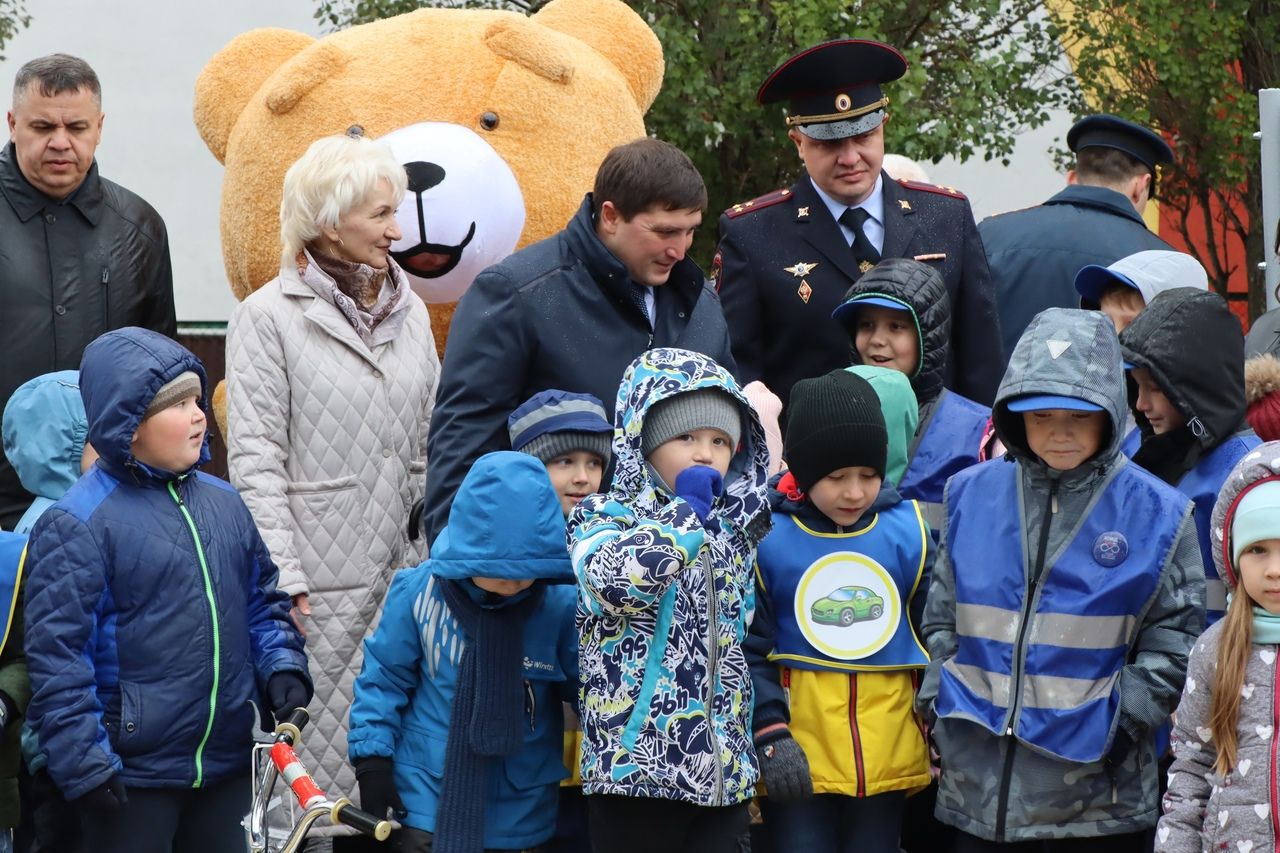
[834,422]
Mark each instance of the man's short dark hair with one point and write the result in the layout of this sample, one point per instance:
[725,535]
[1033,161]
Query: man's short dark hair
[55,74]
[1108,166]
[646,173]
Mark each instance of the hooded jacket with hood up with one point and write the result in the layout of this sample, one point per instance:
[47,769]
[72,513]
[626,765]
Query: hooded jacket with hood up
[996,787]
[663,608]
[505,523]
[1203,809]
[44,432]
[1191,343]
[921,291]
[153,621]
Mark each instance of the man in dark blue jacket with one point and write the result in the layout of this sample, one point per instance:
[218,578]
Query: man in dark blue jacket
[1034,254]
[572,311]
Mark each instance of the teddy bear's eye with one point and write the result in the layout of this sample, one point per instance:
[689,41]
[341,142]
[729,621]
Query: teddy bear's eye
[489,120]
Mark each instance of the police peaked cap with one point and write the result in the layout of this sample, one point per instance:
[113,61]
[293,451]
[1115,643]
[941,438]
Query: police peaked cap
[1108,131]
[833,89]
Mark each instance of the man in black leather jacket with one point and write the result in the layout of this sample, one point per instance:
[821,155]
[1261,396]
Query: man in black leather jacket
[80,255]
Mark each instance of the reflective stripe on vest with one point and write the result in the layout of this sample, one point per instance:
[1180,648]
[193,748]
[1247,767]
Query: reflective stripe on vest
[841,601]
[1202,484]
[1054,682]
[948,445]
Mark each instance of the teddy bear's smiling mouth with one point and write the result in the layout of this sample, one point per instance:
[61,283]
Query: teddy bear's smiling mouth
[432,260]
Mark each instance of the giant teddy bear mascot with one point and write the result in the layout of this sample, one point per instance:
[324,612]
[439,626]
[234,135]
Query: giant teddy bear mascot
[501,120]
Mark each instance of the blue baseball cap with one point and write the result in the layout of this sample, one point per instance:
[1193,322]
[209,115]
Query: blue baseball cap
[846,308]
[1040,402]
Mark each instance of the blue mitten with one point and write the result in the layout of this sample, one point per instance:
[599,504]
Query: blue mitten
[699,486]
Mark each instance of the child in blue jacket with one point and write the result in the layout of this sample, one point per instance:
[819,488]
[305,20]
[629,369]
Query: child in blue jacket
[456,725]
[153,622]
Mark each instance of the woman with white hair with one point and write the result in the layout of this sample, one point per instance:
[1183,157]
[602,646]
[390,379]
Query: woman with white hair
[331,376]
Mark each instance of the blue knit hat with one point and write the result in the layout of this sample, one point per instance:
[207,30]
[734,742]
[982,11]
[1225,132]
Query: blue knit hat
[1257,517]
[552,423]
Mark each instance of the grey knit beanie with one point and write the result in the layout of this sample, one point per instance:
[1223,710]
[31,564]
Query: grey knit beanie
[553,445]
[183,385]
[702,408]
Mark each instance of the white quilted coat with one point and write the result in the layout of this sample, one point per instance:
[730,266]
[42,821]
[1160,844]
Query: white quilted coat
[327,444]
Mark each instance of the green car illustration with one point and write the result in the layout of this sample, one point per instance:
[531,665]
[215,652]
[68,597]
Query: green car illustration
[847,605]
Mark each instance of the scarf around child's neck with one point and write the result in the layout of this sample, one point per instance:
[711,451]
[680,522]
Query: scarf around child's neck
[488,708]
[1266,627]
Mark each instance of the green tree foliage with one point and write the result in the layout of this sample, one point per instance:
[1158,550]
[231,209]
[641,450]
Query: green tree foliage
[1193,70]
[13,17]
[980,72]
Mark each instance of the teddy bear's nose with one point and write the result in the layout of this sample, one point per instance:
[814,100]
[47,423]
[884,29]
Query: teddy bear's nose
[423,175]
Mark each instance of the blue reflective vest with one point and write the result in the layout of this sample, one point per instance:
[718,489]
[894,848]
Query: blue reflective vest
[1202,484]
[947,445]
[1047,670]
[13,554]
[841,600]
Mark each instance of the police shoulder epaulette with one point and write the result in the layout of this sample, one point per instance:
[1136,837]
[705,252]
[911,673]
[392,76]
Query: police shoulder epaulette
[766,200]
[950,192]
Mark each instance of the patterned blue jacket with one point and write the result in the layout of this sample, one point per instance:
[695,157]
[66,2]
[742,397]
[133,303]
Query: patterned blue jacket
[663,607]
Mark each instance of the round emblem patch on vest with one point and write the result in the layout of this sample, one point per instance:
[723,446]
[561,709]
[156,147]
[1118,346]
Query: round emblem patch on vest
[1110,549]
[847,605]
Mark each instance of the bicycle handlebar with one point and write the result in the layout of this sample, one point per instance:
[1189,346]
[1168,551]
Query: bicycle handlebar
[290,729]
[344,811]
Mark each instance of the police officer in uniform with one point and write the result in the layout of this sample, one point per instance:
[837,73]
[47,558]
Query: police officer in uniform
[1035,253]
[786,259]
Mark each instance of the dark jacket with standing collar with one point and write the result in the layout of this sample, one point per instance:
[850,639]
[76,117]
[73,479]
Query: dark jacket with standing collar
[557,314]
[1035,253]
[69,271]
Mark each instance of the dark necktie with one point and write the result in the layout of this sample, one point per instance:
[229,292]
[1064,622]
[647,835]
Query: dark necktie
[863,252]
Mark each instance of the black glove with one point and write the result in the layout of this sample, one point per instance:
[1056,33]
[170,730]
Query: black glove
[378,794]
[107,797]
[785,769]
[414,528]
[285,692]
[699,486]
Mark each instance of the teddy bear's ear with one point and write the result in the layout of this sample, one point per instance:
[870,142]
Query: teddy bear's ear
[234,74]
[616,33]
[520,40]
[304,72]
